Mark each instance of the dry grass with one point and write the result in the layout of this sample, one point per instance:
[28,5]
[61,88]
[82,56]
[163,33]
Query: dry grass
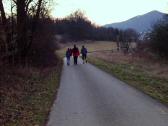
[153,67]
[27,94]
[100,45]
[90,45]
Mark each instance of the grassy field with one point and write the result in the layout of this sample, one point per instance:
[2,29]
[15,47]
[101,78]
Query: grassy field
[91,46]
[27,95]
[150,75]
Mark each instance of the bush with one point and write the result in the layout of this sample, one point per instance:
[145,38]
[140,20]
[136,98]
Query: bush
[159,37]
[43,47]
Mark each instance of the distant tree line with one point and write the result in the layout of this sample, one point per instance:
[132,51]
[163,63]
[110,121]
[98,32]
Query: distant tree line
[78,27]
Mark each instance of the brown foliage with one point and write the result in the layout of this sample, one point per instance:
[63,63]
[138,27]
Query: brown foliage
[18,86]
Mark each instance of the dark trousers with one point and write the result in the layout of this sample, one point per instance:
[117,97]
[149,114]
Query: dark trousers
[84,56]
[75,60]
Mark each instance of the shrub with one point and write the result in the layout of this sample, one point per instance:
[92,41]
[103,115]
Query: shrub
[159,37]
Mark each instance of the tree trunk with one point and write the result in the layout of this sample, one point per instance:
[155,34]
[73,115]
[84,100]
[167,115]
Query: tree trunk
[4,21]
[21,28]
[6,32]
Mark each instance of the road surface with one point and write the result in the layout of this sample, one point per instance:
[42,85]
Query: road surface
[90,97]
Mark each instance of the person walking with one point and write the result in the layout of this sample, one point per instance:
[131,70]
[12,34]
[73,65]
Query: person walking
[68,56]
[75,52]
[84,54]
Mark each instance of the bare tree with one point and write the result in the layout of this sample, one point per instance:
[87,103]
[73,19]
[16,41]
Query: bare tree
[21,27]
[3,16]
[23,41]
[5,45]
[28,12]
[33,29]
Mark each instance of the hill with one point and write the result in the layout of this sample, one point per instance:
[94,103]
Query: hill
[141,23]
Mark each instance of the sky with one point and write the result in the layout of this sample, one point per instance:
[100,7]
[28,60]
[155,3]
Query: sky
[103,12]
[108,11]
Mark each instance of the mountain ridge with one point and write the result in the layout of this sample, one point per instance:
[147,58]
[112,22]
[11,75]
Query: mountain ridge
[140,23]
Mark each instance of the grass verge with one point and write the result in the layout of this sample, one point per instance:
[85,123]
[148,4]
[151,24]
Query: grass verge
[27,95]
[137,77]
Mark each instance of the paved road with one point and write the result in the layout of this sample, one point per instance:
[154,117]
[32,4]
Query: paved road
[90,97]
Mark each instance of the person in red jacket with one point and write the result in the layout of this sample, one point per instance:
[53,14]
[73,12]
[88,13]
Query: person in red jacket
[75,52]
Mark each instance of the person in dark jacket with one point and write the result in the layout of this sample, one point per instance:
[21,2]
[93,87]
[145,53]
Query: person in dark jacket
[75,52]
[68,56]
[70,51]
[84,54]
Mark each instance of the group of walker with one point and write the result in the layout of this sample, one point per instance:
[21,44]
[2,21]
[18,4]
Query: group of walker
[75,53]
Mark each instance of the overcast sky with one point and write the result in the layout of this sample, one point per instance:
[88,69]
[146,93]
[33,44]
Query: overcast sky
[108,11]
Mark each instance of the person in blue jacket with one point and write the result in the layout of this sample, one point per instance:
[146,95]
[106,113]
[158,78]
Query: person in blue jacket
[84,54]
[68,56]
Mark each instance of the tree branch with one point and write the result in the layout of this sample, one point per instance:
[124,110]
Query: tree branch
[36,17]
[15,1]
[27,4]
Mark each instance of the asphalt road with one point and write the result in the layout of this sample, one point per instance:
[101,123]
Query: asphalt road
[90,97]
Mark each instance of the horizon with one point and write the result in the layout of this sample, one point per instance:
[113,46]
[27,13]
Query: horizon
[105,12]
